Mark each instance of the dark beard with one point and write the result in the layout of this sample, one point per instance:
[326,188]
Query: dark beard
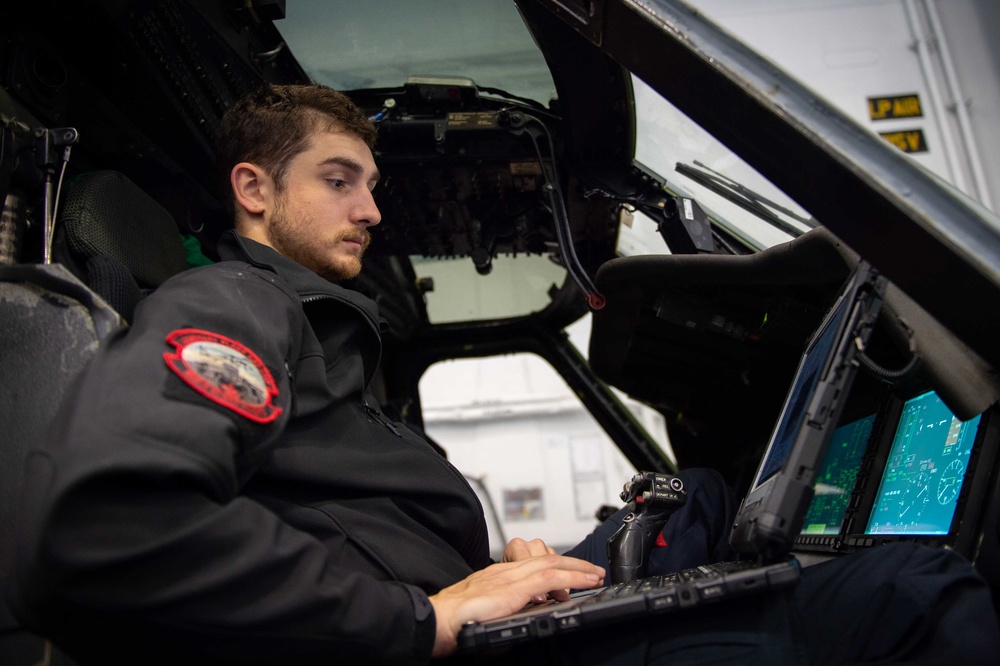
[289,241]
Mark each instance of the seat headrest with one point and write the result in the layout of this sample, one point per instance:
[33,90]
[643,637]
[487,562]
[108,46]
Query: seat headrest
[106,214]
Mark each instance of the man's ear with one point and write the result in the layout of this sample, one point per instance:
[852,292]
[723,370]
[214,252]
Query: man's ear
[252,188]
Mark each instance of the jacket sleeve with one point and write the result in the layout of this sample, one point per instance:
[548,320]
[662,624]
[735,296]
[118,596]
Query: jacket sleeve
[135,544]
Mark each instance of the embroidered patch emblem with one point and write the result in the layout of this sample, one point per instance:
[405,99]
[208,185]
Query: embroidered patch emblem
[224,371]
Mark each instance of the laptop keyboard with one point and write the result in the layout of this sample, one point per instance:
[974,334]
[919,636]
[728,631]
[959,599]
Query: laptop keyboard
[705,573]
[636,599]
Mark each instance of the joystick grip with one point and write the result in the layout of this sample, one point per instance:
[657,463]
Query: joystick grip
[653,497]
[629,547]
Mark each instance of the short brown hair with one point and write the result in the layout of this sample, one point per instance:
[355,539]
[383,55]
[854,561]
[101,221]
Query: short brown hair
[271,125]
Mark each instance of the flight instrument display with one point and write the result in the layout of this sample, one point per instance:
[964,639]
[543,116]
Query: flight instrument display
[925,469]
[836,476]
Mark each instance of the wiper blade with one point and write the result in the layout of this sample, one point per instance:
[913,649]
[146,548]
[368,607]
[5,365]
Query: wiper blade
[745,198]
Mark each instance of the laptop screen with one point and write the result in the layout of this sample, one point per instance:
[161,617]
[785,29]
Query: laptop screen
[923,476]
[836,477]
[808,376]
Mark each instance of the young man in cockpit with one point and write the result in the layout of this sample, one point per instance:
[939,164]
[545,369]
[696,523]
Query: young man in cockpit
[269,513]
[222,487]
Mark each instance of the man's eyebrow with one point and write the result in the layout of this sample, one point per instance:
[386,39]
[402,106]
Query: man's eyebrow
[351,165]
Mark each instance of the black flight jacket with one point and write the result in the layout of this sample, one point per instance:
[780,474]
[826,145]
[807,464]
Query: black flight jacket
[169,517]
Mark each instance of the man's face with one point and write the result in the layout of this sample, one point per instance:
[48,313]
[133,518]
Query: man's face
[320,217]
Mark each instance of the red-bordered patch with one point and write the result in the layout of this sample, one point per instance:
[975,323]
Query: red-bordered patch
[224,371]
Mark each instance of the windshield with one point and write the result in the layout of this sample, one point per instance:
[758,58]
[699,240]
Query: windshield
[666,137]
[379,43]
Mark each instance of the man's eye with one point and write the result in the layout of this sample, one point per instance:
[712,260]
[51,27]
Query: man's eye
[336,182]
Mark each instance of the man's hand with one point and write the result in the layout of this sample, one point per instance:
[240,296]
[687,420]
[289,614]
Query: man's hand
[504,588]
[518,549]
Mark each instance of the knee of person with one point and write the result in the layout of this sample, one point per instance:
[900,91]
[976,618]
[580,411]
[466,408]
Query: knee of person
[904,557]
[704,480]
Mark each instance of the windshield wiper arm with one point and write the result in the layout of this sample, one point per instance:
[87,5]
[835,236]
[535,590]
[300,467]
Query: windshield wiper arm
[744,197]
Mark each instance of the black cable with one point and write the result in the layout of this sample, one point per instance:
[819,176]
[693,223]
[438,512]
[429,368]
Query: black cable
[884,373]
[892,375]
[561,218]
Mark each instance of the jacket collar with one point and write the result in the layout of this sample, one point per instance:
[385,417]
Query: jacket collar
[233,247]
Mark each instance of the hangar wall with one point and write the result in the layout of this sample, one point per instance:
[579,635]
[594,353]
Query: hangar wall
[925,74]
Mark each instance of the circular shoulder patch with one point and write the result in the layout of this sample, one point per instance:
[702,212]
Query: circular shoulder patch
[224,371]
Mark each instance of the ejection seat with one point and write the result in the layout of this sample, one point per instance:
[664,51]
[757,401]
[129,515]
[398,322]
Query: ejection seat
[113,243]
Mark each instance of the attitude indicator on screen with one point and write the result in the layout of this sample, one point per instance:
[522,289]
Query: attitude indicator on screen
[925,470]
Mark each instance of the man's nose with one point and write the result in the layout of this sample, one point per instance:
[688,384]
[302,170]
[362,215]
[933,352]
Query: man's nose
[367,211]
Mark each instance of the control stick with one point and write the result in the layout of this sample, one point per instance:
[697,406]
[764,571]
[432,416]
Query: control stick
[652,497]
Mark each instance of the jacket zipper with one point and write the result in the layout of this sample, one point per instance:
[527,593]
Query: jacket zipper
[377,417]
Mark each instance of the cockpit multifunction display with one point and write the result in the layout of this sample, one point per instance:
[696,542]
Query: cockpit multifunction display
[835,480]
[923,475]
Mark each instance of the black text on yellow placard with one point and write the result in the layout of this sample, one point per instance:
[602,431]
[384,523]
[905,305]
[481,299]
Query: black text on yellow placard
[909,141]
[897,106]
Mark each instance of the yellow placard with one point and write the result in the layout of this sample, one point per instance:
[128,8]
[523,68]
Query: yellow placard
[895,106]
[909,141]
